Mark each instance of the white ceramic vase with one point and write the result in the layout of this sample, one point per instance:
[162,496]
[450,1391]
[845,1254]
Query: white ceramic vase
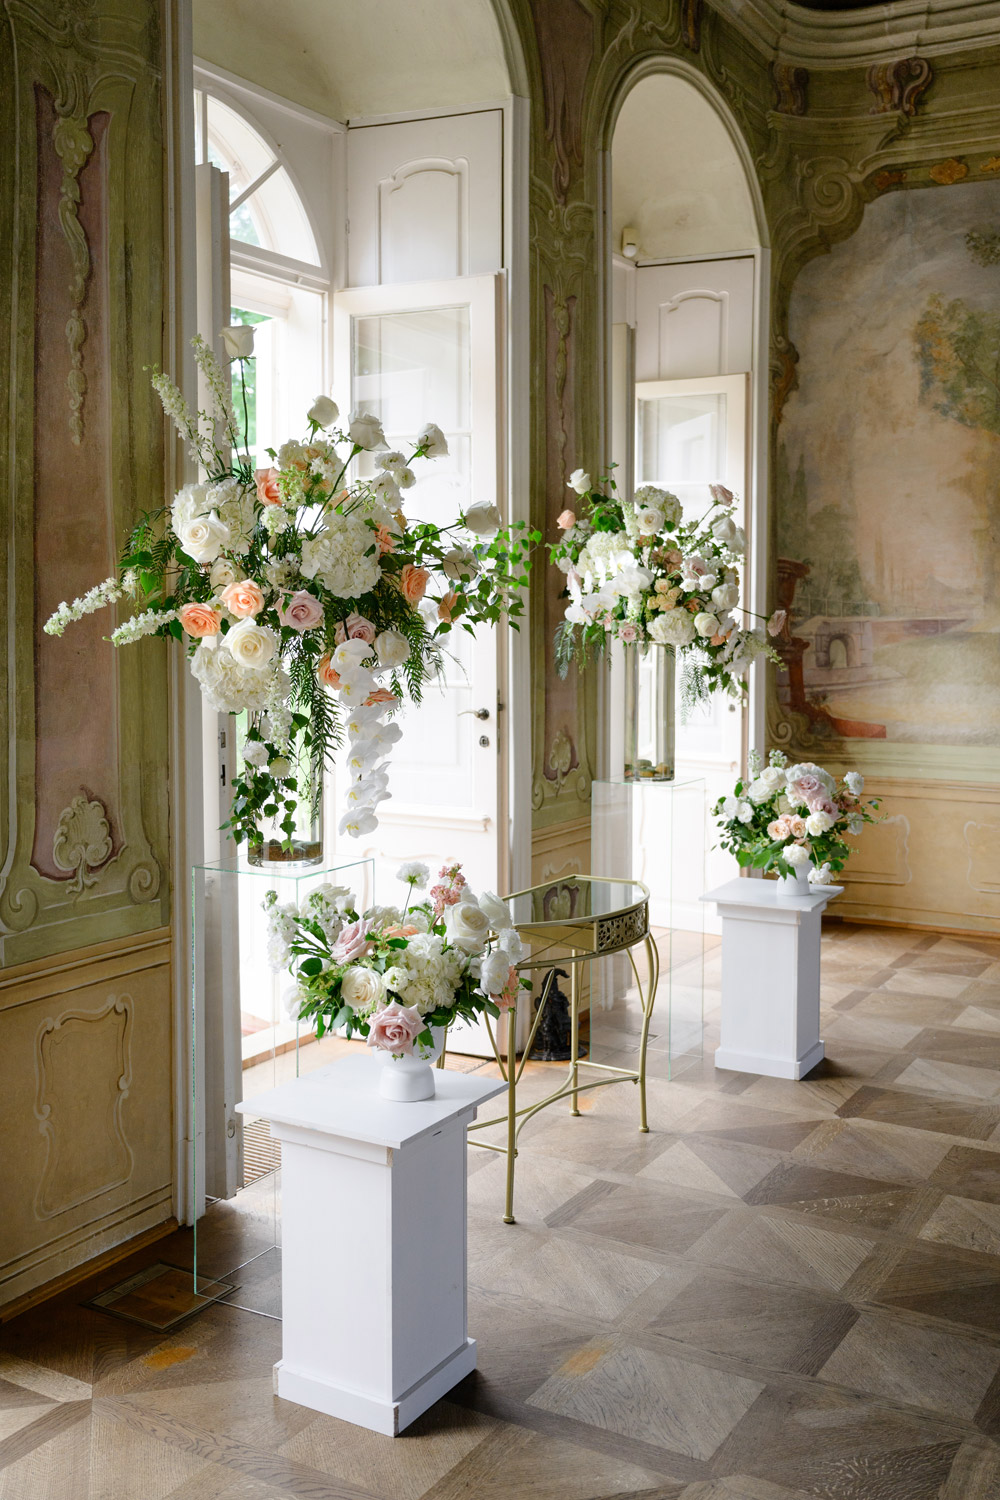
[791,887]
[410,1077]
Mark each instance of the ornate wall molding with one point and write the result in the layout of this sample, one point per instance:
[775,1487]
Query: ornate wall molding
[830,39]
[899,86]
[791,88]
[83,841]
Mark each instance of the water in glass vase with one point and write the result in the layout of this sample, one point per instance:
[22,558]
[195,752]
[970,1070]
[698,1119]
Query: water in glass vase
[650,712]
[304,845]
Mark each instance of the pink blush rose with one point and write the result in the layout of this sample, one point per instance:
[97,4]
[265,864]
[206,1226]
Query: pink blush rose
[395,1028]
[805,789]
[302,612]
[566,520]
[356,628]
[351,944]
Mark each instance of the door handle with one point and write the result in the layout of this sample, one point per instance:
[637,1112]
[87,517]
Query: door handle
[477,713]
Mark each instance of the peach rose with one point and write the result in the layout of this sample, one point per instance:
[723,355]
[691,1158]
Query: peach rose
[447,606]
[397,931]
[243,598]
[380,695]
[413,583]
[384,540]
[507,998]
[396,1027]
[566,520]
[199,619]
[302,612]
[326,673]
[268,492]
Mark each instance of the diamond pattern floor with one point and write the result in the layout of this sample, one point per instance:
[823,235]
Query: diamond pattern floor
[783,1291]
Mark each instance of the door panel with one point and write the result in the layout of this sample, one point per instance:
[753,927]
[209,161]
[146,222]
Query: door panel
[694,318]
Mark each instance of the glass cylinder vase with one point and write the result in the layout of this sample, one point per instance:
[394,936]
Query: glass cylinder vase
[304,846]
[650,712]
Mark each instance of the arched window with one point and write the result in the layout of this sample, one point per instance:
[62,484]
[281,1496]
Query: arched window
[264,208]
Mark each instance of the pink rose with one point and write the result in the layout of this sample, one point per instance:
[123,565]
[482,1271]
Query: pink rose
[395,1028]
[243,599]
[806,788]
[566,520]
[199,619]
[413,583]
[351,944]
[268,492]
[820,803]
[355,628]
[302,612]
[385,541]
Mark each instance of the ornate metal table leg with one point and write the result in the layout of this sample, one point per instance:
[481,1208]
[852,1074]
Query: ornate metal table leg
[508,1212]
[574,1033]
[653,964]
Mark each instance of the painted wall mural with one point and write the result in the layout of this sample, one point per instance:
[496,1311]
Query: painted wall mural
[888,477]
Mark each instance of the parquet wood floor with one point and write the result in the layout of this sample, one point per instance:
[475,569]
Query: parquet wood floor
[785,1290]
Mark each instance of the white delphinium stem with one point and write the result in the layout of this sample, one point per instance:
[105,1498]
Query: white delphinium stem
[180,414]
[101,595]
[147,623]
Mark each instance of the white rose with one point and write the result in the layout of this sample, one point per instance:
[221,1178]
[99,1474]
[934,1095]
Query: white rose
[817,823]
[855,783]
[738,542]
[773,777]
[467,926]
[460,564]
[496,910]
[433,441]
[365,430]
[650,520]
[795,855]
[223,574]
[483,519]
[251,645]
[323,412]
[706,624]
[724,529]
[579,480]
[758,791]
[730,808]
[393,648]
[255,752]
[745,812]
[361,988]
[204,537]
[238,340]
[494,973]
[725,596]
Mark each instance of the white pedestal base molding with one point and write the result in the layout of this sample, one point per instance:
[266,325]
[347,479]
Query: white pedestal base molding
[378,1188]
[770,978]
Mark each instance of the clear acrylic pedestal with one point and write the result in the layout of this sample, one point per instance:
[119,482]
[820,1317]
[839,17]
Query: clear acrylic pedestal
[244,1043]
[654,831]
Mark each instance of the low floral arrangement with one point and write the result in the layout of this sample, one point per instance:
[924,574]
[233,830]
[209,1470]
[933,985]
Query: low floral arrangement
[637,572]
[392,973]
[790,818]
[305,597]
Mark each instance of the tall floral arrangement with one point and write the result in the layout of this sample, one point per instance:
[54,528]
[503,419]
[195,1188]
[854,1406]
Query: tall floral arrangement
[391,973]
[793,818]
[304,596]
[636,571]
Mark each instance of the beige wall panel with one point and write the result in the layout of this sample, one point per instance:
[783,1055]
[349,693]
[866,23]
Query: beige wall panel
[87,1160]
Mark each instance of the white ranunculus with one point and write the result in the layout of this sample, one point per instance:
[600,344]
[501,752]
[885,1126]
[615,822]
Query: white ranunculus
[362,989]
[579,480]
[724,529]
[650,520]
[460,564]
[795,855]
[706,625]
[255,752]
[323,411]
[496,910]
[855,783]
[393,648]
[250,644]
[745,812]
[204,537]
[482,519]
[493,976]
[730,808]
[432,440]
[365,430]
[817,823]
[467,926]
[821,874]
[238,340]
[725,596]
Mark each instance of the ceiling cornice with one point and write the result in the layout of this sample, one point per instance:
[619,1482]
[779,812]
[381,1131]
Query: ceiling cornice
[821,39]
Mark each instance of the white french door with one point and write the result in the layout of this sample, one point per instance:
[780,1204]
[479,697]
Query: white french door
[413,353]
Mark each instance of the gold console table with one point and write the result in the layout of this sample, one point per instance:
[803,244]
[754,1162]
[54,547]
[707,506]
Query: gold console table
[612,916]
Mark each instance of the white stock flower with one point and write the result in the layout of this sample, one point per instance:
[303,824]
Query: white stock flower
[251,645]
[432,440]
[467,926]
[855,783]
[323,411]
[818,823]
[460,564]
[365,430]
[238,340]
[362,988]
[482,519]
[392,647]
[203,537]
[706,624]
[795,855]
[579,480]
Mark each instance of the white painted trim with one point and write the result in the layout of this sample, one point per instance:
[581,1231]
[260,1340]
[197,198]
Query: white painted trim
[757,508]
[234,81]
[487,106]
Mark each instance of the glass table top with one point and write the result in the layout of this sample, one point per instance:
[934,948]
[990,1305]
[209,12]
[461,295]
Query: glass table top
[595,897]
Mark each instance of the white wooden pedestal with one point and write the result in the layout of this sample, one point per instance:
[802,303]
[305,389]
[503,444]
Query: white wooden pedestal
[373,1241]
[770,978]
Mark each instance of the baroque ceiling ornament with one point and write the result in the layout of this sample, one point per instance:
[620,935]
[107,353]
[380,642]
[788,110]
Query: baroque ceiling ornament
[898,86]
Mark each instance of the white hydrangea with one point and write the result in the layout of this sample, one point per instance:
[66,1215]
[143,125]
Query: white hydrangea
[673,627]
[230,688]
[237,510]
[426,973]
[342,557]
